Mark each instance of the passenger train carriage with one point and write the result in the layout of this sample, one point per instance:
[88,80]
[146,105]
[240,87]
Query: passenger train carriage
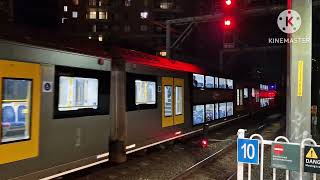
[63,110]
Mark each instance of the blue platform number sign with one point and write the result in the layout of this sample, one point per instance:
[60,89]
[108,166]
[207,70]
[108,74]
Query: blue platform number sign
[248,151]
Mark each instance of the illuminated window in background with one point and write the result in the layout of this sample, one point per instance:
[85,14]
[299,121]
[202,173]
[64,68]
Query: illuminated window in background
[163,53]
[77,93]
[166,5]
[16,106]
[92,15]
[127,3]
[100,3]
[179,100]
[222,83]
[145,92]
[144,28]
[94,28]
[103,15]
[100,38]
[144,15]
[74,14]
[222,110]
[93,2]
[65,8]
[168,101]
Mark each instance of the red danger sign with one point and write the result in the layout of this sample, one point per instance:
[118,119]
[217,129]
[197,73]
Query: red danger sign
[278,149]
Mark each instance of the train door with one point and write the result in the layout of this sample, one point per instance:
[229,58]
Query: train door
[172,101]
[20,104]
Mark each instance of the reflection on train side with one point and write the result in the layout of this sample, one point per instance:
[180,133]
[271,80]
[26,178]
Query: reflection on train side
[15,110]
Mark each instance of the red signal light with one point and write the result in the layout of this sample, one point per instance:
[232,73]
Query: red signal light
[228,2]
[227,22]
[204,143]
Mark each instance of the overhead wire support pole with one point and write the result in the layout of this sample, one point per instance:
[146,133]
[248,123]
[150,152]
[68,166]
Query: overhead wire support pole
[299,62]
[210,18]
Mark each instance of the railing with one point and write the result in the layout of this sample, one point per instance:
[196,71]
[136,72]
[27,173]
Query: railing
[252,157]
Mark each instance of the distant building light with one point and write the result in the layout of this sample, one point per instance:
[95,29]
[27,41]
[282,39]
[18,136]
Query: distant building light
[144,15]
[89,37]
[100,3]
[166,5]
[94,28]
[103,15]
[74,14]
[65,8]
[100,38]
[63,19]
[163,53]
[92,15]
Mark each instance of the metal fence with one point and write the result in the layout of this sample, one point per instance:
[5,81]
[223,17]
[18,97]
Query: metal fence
[262,143]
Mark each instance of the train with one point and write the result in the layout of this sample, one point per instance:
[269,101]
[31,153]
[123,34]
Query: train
[64,110]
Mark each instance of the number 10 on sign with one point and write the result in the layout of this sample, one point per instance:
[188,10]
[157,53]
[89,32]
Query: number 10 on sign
[248,151]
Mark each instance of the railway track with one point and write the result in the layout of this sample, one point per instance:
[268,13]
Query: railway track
[194,172]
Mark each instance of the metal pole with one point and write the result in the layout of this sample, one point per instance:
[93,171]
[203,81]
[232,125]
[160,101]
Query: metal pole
[168,39]
[299,77]
[241,134]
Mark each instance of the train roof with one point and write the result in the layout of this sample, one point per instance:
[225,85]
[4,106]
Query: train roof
[91,48]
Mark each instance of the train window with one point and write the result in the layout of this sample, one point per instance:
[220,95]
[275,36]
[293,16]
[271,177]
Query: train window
[253,93]
[198,114]
[216,109]
[222,110]
[77,93]
[238,97]
[229,84]
[145,92]
[241,97]
[222,83]
[198,80]
[168,101]
[216,82]
[178,100]
[209,82]
[16,110]
[229,108]
[210,112]
[245,93]
[141,92]
[81,92]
